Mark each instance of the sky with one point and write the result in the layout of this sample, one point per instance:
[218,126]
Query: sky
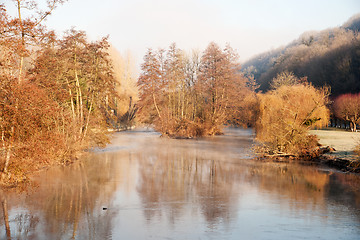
[249,26]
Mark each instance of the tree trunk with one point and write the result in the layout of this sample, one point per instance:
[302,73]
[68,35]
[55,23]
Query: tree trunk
[21,65]
[353,129]
[87,120]
[6,219]
[80,103]
[155,104]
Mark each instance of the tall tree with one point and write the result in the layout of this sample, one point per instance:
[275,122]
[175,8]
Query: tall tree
[25,31]
[79,75]
[223,86]
[150,85]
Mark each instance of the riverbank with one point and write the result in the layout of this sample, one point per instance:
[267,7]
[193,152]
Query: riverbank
[343,143]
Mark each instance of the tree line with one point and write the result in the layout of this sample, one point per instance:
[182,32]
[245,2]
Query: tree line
[192,95]
[57,94]
[196,95]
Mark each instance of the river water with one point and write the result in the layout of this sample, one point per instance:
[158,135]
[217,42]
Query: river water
[143,186]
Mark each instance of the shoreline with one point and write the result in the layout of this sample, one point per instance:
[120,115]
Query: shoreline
[343,143]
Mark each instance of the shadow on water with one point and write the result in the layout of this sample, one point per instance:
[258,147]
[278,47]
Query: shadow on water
[145,187]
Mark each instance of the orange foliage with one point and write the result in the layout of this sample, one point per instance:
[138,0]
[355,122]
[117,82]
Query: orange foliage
[193,96]
[285,116]
[54,104]
[29,126]
[347,107]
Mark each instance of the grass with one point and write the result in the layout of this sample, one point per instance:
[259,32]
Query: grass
[344,142]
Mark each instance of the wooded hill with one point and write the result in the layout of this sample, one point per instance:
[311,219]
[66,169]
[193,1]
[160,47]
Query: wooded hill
[330,57]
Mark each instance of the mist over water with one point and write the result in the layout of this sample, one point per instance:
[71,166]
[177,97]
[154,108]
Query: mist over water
[143,186]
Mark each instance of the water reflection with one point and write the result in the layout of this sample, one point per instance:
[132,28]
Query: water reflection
[146,187]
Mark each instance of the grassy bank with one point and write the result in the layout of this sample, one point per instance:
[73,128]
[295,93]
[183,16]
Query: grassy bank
[344,143]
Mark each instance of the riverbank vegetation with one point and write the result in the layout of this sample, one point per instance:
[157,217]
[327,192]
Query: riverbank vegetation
[58,95]
[194,95]
[186,97]
[286,113]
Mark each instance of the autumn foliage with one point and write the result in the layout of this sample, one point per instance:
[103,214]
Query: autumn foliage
[57,96]
[285,116]
[192,95]
[347,107]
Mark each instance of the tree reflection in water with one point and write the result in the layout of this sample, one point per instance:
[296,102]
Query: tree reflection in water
[204,188]
[67,203]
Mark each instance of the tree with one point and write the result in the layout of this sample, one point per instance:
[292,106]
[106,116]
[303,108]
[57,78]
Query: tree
[223,87]
[347,107]
[284,79]
[61,103]
[79,75]
[24,31]
[285,116]
[28,127]
[150,88]
[125,75]
[187,96]
[26,112]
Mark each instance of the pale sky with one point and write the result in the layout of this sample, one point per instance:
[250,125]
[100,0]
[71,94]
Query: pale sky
[250,26]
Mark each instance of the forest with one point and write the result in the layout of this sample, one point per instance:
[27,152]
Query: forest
[60,96]
[330,57]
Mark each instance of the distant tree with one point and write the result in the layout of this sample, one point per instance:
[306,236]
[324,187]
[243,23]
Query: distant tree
[193,96]
[284,79]
[125,75]
[223,87]
[285,116]
[150,88]
[347,107]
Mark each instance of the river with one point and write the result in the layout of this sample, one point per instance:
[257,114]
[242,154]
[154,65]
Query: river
[142,186]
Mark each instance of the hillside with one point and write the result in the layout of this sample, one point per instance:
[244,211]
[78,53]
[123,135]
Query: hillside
[330,57]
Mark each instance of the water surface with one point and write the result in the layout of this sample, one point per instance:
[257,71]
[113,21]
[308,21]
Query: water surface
[146,187]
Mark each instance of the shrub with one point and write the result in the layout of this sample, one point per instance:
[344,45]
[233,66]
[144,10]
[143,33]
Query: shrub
[285,116]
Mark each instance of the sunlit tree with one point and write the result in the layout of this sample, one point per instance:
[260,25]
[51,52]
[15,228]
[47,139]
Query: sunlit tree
[193,95]
[150,87]
[285,116]
[61,103]
[347,107]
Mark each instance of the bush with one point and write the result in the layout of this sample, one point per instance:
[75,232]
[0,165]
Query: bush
[285,116]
